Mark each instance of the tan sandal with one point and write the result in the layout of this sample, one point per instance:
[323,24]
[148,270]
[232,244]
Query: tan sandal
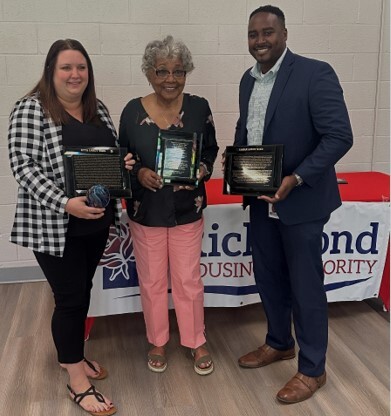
[202,371]
[161,359]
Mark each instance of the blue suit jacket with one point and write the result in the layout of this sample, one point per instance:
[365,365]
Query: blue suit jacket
[306,113]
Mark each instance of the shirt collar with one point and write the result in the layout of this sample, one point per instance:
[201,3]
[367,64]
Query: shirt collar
[256,70]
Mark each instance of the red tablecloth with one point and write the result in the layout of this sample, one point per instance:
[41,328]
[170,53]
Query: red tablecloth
[361,186]
[365,186]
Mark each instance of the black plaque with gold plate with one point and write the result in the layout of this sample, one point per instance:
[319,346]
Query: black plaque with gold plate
[86,167]
[253,170]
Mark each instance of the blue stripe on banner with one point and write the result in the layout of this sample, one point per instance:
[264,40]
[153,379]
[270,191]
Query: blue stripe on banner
[128,296]
[133,296]
[252,289]
[232,290]
[338,285]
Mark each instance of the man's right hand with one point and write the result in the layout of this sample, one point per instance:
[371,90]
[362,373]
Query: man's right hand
[288,183]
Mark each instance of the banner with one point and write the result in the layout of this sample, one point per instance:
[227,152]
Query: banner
[354,252]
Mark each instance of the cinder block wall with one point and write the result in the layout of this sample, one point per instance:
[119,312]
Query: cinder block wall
[353,35]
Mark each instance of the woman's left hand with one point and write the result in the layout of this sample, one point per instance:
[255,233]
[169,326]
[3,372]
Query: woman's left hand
[129,161]
[201,174]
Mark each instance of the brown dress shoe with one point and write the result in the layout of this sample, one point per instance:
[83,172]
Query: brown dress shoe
[300,388]
[265,355]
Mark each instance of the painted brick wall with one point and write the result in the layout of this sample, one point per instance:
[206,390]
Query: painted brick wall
[353,35]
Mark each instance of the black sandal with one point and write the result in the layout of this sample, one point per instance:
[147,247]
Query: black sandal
[91,391]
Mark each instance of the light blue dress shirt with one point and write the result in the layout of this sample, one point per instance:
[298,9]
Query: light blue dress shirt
[259,100]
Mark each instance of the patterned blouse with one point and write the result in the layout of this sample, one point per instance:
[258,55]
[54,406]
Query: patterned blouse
[139,133]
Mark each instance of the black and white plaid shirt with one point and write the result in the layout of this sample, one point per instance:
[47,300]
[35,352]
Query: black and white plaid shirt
[35,152]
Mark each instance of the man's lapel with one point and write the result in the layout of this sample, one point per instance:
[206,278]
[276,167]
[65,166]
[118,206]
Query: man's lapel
[282,77]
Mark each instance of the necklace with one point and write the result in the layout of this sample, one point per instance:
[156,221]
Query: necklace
[170,117]
[168,123]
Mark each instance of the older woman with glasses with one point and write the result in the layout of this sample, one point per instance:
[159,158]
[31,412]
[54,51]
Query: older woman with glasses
[166,221]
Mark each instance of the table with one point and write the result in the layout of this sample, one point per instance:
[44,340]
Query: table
[370,187]
[226,264]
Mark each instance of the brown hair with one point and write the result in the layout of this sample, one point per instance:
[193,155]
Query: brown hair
[45,86]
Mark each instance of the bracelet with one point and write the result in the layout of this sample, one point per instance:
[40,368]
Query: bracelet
[205,168]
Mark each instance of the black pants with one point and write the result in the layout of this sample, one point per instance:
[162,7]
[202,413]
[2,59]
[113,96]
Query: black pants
[70,278]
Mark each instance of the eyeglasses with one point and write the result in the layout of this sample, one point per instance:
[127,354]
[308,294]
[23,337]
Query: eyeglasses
[164,73]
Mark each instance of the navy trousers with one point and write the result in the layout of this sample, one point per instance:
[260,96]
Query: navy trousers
[288,271]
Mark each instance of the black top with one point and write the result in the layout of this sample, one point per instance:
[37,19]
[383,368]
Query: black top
[79,134]
[138,132]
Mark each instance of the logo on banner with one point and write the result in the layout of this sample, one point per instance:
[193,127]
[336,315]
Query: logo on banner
[118,263]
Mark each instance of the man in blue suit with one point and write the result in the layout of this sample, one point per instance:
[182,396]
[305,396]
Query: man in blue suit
[298,102]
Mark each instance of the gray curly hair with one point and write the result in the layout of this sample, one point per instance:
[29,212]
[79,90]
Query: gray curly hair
[166,48]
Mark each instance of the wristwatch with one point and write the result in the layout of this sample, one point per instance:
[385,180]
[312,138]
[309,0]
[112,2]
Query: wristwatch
[298,179]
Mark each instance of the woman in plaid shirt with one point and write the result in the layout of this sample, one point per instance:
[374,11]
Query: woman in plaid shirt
[67,236]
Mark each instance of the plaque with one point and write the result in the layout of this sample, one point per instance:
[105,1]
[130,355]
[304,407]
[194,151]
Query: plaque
[253,170]
[178,156]
[86,167]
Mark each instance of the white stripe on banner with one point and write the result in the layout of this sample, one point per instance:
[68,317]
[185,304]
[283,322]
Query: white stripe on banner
[354,252]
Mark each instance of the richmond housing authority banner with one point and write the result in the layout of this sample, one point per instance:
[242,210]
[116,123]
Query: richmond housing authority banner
[354,252]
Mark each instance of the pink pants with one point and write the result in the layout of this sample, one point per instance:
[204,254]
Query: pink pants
[161,252]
